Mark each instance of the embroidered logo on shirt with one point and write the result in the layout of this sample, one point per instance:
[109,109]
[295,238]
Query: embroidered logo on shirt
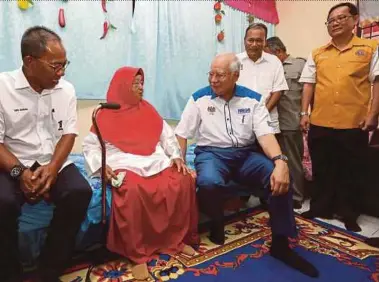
[60,123]
[244,111]
[360,53]
[211,110]
[20,110]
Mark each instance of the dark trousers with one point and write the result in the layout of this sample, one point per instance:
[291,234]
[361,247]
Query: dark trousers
[339,162]
[71,195]
[215,167]
[291,143]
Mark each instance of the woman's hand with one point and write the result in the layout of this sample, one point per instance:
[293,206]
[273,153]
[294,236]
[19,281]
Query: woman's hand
[179,163]
[109,174]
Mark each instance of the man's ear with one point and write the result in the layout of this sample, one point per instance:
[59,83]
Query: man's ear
[27,60]
[356,19]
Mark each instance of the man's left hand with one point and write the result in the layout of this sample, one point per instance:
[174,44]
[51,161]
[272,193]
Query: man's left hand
[46,175]
[370,123]
[280,178]
[179,163]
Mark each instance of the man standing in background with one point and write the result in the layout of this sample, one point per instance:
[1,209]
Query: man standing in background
[262,72]
[339,75]
[289,106]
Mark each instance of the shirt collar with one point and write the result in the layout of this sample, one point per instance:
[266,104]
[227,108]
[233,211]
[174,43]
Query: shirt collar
[21,82]
[213,94]
[353,41]
[260,60]
[288,61]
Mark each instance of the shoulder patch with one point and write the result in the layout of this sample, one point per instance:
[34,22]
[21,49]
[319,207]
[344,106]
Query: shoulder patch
[242,92]
[206,91]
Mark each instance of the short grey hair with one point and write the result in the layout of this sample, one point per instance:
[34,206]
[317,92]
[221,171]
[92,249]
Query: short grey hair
[275,44]
[235,65]
[257,26]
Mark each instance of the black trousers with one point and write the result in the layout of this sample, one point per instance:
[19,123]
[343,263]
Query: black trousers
[339,169]
[71,195]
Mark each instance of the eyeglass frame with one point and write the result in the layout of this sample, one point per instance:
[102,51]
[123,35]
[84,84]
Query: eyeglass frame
[217,75]
[340,18]
[55,68]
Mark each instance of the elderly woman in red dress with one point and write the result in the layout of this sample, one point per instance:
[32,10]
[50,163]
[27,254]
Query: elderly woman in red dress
[154,210]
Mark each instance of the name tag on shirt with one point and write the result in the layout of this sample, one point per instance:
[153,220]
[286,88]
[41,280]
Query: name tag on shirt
[244,111]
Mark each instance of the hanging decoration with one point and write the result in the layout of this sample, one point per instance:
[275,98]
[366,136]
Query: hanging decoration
[61,18]
[107,24]
[250,19]
[218,18]
[24,4]
[263,9]
[220,36]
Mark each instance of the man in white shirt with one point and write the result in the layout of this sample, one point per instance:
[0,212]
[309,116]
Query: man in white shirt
[261,71]
[37,132]
[227,120]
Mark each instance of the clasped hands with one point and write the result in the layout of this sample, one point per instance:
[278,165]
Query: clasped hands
[36,185]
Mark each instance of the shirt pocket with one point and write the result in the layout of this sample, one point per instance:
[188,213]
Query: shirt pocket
[19,119]
[358,63]
[245,125]
[292,78]
[57,123]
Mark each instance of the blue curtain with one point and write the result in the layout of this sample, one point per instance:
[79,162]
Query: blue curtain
[173,41]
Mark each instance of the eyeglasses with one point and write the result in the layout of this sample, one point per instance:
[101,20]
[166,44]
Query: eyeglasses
[218,76]
[56,67]
[338,19]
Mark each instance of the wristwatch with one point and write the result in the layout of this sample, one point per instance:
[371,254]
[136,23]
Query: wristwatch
[17,171]
[303,114]
[280,157]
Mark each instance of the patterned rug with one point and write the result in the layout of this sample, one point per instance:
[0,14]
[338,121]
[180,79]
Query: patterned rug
[339,256]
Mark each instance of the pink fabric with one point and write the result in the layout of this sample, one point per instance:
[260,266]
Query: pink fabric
[307,164]
[263,9]
[152,215]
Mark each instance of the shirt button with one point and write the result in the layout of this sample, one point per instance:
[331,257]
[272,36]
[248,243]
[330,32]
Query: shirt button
[227,119]
[230,132]
[336,92]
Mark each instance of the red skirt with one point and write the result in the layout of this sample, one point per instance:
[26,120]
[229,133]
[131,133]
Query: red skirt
[152,215]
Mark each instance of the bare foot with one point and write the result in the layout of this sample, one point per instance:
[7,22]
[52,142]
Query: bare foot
[188,250]
[140,272]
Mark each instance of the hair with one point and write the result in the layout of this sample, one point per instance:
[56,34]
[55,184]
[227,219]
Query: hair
[353,10]
[256,26]
[35,39]
[275,44]
[235,65]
